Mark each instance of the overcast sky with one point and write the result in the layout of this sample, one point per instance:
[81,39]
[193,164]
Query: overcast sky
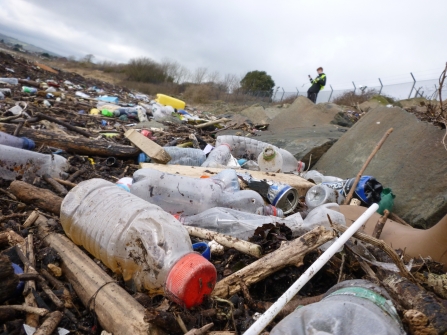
[353,40]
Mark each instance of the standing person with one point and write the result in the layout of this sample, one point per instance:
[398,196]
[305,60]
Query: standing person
[317,85]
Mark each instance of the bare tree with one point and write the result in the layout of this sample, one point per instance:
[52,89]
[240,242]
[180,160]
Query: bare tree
[214,77]
[199,75]
[231,82]
[88,58]
[183,74]
[171,69]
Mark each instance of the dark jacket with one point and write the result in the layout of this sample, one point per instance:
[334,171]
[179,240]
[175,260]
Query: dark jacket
[317,84]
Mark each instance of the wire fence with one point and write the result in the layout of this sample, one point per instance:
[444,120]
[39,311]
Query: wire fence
[428,89]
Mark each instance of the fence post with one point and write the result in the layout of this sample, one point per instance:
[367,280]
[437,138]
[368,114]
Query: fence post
[414,83]
[283,92]
[330,96]
[381,86]
[355,88]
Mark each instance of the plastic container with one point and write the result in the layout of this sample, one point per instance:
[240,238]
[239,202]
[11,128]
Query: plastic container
[109,99]
[270,160]
[170,101]
[245,147]
[16,142]
[138,240]
[320,194]
[185,156]
[10,81]
[219,157]
[350,308]
[236,223]
[141,112]
[31,90]
[160,113]
[82,95]
[16,162]
[107,113]
[178,194]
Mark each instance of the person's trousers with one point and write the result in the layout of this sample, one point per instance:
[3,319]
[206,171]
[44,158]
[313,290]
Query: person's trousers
[312,96]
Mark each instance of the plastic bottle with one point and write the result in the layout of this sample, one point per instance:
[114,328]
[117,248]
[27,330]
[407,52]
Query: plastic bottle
[178,194]
[30,90]
[107,113]
[350,308]
[321,194]
[16,142]
[18,162]
[138,240]
[185,156]
[160,112]
[2,96]
[270,160]
[219,157]
[142,116]
[10,81]
[236,223]
[245,147]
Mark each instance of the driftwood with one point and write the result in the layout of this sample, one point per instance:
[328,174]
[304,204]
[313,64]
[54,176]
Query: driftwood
[411,296]
[227,241]
[210,123]
[60,189]
[365,165]
[37,197]
[380,224]
[77,145]
[418,323]
[8,278]
[65,182]
[290,254]
[116,310]
[24,308]
[201,331]
[50,324]
[31,219]
[62,123]
[300,184]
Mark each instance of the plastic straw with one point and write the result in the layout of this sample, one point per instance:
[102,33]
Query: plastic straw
[257,327]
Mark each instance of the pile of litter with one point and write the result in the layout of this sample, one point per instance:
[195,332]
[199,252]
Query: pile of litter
[127,214]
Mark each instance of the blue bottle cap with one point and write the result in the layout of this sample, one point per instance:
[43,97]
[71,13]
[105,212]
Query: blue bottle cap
[28,144]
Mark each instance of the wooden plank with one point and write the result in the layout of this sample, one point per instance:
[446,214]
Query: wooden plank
[301,185]
[149,147]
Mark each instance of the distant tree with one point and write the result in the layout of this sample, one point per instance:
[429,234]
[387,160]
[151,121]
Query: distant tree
[18,46]
[146,70]
[45,54]
[88,58]
[257,81]
[199,75]
[2,41]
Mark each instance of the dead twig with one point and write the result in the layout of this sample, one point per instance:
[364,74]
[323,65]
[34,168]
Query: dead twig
[380,224]
[26,309]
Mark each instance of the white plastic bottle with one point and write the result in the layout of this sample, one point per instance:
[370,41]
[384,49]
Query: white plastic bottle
[138,240]
[270,160]
[16,142]
[350,308]
[185,156]
[219,157]
[320,194]
[178,194]
[16,162]
[10,81]
[236,223]
[316,176]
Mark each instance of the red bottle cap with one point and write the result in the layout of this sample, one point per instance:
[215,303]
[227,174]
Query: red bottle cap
[190,280]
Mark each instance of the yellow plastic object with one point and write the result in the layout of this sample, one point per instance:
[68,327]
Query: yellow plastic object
[94,111]
[170,101]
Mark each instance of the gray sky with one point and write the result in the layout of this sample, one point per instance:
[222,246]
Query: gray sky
[353,40]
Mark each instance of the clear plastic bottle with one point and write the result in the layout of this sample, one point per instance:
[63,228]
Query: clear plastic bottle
[19,162]
[236,223]
[321,194]
[316,176]
[219,157]
[350,308]
[245,147]
[10,81]
[16,142]
[270,160]
[178,194]
[185,156]
[138,240]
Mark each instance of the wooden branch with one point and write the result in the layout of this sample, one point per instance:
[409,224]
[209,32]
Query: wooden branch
[383,246]
[62,123]
[226,240]
[72,144]
[210,123]
[31,219]
[50,324]
[200,331]
[37,197]
[27,309]
[65,182]
[380,224]
[11,216]
[55,185]
[76,174]
[371,156]
[291,253]
[19,127]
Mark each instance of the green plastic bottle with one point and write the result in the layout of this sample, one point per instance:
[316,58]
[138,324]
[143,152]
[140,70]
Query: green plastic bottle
[106,112]
[387,201]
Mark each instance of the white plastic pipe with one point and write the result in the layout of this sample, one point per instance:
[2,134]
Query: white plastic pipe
[257,327]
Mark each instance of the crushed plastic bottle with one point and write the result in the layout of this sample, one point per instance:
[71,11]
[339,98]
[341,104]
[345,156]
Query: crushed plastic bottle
[270,160]
[178,194]
[185,156]
[219,157]
[236,223]
[368,189]
[16,142]
[10,81]
[31,90]
[321,194]
[350,308]
[16,162]
[138,240]
[245,147]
